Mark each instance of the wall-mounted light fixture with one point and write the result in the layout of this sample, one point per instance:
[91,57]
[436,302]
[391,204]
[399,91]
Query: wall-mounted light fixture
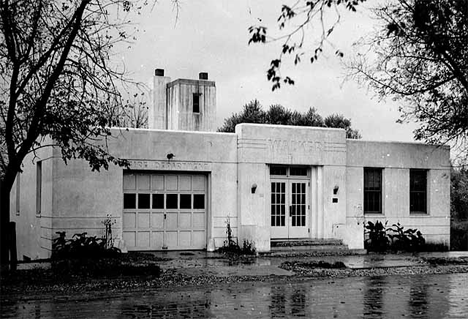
[254,188]
[336,189]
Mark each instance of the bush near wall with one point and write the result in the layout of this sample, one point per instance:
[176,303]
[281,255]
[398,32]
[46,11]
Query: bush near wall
[380,237]
[459,235]
[91,256]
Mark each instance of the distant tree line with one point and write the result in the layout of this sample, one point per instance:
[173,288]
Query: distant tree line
[278,114]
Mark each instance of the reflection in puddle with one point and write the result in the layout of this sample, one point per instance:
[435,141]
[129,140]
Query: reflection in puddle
[417,296]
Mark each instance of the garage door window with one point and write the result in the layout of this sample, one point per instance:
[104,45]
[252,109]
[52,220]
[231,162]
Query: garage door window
[199,201]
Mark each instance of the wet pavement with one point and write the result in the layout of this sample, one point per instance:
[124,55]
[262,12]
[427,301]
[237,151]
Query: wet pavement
[200,262]
[412,296]
[417,296]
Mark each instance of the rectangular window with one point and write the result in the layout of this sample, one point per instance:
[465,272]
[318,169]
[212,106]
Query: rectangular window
[418,191]
[196,102]
[38,187]
[372,191]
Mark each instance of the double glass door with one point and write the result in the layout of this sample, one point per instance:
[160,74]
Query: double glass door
[289,208]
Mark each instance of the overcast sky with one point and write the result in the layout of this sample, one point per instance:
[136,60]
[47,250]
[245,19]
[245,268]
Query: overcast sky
[211,36]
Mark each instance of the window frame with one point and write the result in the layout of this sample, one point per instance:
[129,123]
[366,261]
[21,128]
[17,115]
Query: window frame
[412,173]
[379,191]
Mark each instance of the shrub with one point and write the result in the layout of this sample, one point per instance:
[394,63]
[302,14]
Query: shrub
[376,234]
[380,238]
[80,246]
[408,240]
[459,235]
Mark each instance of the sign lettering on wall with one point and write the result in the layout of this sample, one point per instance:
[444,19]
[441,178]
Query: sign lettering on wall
[170,165]
[303,146]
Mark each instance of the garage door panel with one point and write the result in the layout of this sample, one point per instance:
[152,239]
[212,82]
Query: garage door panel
[130,238]
[185,220]
[171,182]
[171,239]
[171,221]
[143,182]
[185,182]
[198,238]
[198,220]
[157,182]
[143,239]
[129,220]
[185,238]
[198,183]
[157,221]
[157,239]
[143,220]
[129,182]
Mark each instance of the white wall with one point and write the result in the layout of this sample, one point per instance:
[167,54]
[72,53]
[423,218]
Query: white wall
[396,160]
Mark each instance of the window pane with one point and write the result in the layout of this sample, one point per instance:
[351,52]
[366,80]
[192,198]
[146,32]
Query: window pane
[144,201]
[158,201]
[185,201]
[196,103]
[298,171]
[277,170]
[171,201]
[199,201]
[129,201]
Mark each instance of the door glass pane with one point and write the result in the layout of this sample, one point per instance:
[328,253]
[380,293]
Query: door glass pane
[298,207]
[277,204]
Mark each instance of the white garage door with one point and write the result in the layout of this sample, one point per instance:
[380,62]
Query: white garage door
[164,211]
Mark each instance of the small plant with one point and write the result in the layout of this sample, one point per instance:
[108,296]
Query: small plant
[108,222]
[232,246]
[230,243]
[248,247]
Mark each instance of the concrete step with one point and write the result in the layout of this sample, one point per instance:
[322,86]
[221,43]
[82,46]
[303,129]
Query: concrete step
[305,242]
[282,246]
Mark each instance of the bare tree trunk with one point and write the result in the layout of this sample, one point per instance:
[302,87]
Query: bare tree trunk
[5,187]
[4,224]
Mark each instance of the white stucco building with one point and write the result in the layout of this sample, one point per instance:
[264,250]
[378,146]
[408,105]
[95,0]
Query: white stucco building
[273,183]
